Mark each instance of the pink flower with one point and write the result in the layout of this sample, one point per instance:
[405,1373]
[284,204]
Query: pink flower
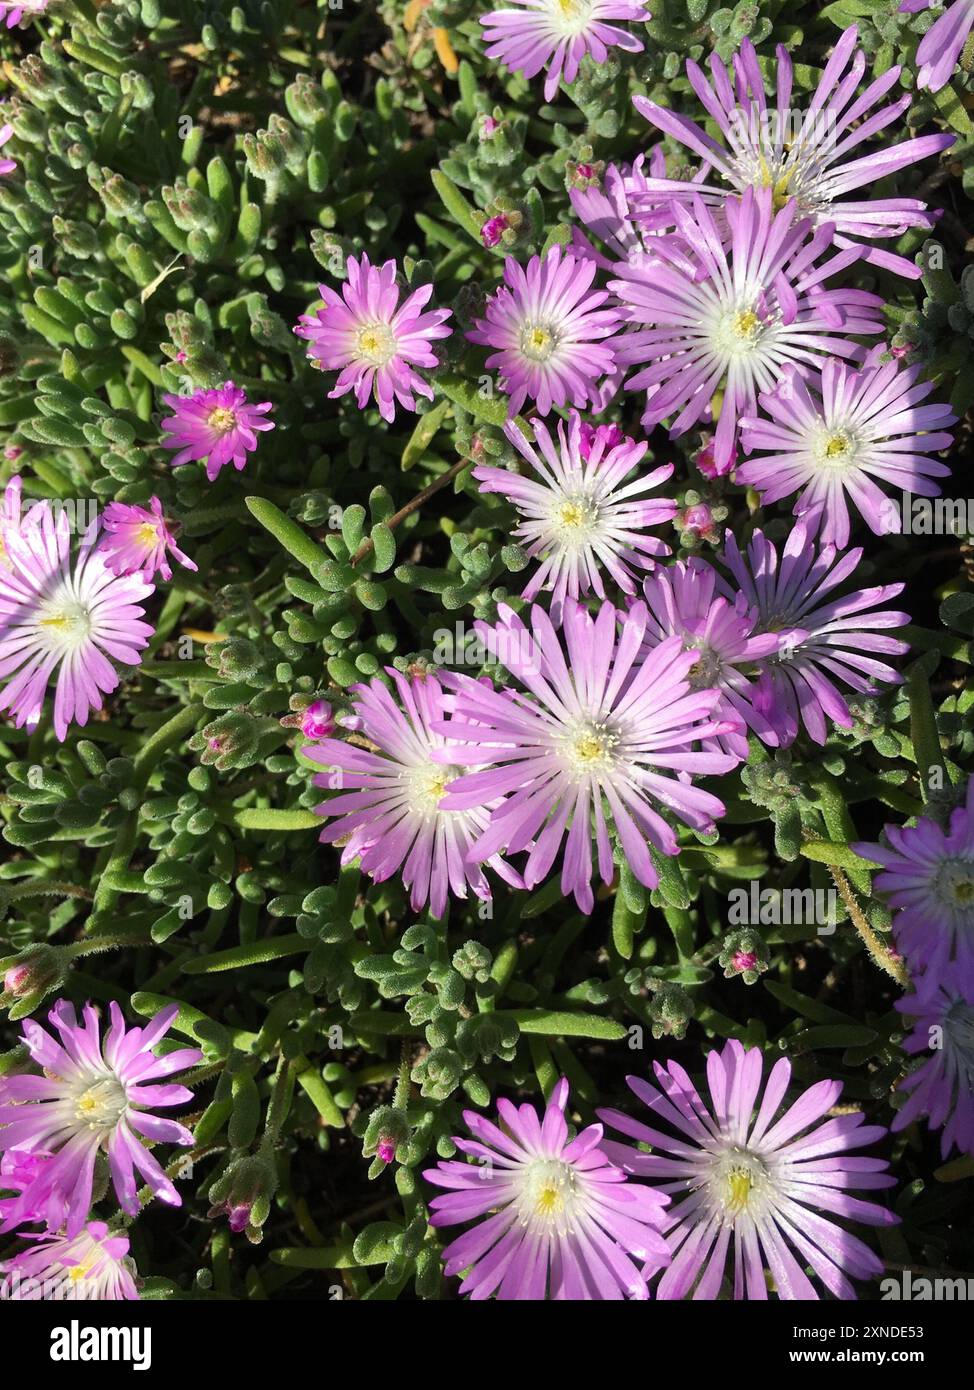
[93,1265]
[136,541]
[372,340]
[219,426]
[493,229]
[7,166]
[317,721]
[557,34]
[92,1098]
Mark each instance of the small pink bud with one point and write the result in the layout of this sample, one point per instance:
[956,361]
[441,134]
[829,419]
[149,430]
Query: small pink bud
[181,356]
[386,1150]
[238,1217]
[17,979]
[744,960]
[487,127]
[13,452]
[492,230]
[317,722]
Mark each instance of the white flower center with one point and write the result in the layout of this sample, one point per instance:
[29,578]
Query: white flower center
[834,446]
[549,1195]
[955,884]
[736,331]
[101,1104]
[588,749]
[959,1031]
[538,341]
[738,1182]
[427,786]
[376,343]
[706,671]
[65,621]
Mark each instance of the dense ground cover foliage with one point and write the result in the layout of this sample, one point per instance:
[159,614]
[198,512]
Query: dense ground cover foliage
[486,606]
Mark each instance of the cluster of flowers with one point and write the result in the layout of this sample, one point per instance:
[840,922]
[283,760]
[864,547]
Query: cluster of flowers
[92,1105]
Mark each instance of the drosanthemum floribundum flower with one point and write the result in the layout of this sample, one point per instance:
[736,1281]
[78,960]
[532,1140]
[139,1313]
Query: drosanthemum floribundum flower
[941,46]
[731,316]
[754,1179]
[802,154]
[601,738]
[682,601]
[220,426]
[834,439]
[93,1266]
[546,326]
[579,514]
[942,1088]
[92,1099]
[135,541]
[7,166]
[390,812]
[825,640]
[554,1219]
[927,877]
[73,618]
[372,340]
[18,1169]
[557,34]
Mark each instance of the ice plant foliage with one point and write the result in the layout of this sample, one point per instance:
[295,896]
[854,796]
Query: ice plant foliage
[582,510]
[548,328]
[138,540]
[63,616]
[751,1176]
[731,316]
[557,34]
[95,1096]
[828,641]
[927,876]
[553,1217]
[802,156]
[394,817]
[591,740]
[372,341]
[836,438]
[219,426]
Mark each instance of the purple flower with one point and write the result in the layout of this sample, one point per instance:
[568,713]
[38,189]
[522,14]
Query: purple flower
[682,601]
[617,215]
[135,541]
[395,819]
[824,640]
[219,426]
[605,436]
[941,46]
[596,745]
[755,1184]
[557,34]
[92,1098]
[802,155]
[554,1219]
[14,13]
[18,1169]
[730,317]
[7,166]
[942,1089]
[55,616]
[372,340]
[927,877]
[839,438]
[93,1265]
[580,515]
[317,720]
[546,324]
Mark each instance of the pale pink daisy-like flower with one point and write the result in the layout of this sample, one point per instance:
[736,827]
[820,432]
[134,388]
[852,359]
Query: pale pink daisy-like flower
[941,46]
[833,439]
[546,325]
[135,541]
[69,616]
[801,154]
[600,738]
[372,340]
[731,316]
[554,1219]
[753,1179]
[92,1098]
[93,1266]
[7,166]
[218,425]
[579,514]
[927,877]
[683,601]
[390,812]
[557,34]
[826,640]
[941,1008]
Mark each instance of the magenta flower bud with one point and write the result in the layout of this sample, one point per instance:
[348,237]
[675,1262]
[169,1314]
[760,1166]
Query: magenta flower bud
[12,453]
[386,1149]
[487,127]
[744,960]
[609,436]
[317,721]
[17,980]
[238,1217]
[709,466]
[697,518]
[493,229]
